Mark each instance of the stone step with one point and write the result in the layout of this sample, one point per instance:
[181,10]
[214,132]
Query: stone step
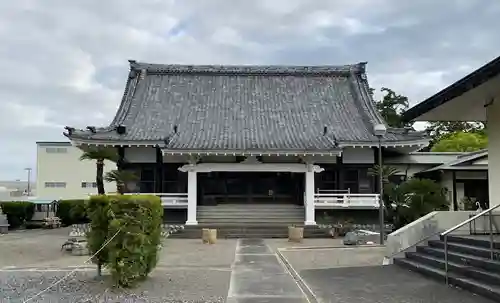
[242,215]
[215,211]
[458,247]
[239,211]
[249,215]
[250,205]
[252,220]
[253,210]
[465,270]
[469,263]
[461,258]
[480,242]
[491,291]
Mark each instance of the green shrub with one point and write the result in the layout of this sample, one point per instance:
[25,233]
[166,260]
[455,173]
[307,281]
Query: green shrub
[136,220]
[18,212]
[72,212]
[98,212]
[413,199]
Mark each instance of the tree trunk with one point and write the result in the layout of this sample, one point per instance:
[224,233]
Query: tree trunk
[99,268]
[120,188]
[99,177]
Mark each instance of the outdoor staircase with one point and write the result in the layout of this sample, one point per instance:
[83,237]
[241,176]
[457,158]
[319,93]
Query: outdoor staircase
[249,221]
[469,263]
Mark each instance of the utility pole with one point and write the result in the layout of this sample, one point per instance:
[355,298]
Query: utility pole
[380,131]
[28,169]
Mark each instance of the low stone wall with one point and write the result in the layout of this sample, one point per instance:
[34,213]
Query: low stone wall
[80,230]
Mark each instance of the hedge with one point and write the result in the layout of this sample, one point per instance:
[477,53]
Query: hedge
[72,212]
[18,212]
[136,220]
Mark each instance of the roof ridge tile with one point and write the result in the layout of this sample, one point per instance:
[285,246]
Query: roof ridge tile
[339,70]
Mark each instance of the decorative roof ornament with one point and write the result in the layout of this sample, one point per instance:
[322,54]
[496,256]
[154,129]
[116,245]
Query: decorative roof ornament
[251,160]
[379,130]
[143,74]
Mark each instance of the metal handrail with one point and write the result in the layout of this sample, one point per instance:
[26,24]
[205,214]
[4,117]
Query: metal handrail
[469,220]
[447,232]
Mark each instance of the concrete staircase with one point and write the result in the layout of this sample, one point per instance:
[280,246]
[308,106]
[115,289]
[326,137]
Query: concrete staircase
[249,221]
[469,264]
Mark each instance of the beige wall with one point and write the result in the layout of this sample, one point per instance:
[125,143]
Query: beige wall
[493,116]
[357,155]
[64,166]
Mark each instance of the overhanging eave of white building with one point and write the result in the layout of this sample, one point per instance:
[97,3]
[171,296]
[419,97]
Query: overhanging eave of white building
[465,100]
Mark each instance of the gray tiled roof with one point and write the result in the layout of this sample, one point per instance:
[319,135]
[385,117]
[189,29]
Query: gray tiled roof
[462,160]
[245,108]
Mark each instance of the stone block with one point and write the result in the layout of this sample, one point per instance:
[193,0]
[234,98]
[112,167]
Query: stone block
[80,249]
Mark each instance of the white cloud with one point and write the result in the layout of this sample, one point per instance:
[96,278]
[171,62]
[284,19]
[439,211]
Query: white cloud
[65,62]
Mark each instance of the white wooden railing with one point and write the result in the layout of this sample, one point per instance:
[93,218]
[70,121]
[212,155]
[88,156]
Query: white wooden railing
[346,200]
[169,200]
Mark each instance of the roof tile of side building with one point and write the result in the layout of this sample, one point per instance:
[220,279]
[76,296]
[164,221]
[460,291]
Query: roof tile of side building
[246,108]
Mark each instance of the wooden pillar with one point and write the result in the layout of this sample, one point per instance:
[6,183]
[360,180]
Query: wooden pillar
[192,197]
[340,173]
[376,185]
[309,196]
[120,164]
[159,171]
[454,193]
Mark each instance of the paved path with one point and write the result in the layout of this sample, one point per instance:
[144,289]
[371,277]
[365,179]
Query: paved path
[381,284]
[258,276]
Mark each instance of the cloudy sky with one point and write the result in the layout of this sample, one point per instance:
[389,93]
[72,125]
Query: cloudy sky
[65,62]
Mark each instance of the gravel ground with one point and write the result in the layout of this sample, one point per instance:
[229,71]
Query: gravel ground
[335,257]
[16,248]
[198,285]
[188,271]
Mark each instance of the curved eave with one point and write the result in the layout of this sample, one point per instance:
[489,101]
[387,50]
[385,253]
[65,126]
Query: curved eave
[80,141]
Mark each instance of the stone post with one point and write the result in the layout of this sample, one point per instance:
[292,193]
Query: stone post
[4,224]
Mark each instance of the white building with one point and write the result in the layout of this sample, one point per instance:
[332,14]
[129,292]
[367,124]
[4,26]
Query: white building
[61,175]
[464,175]
[475,97]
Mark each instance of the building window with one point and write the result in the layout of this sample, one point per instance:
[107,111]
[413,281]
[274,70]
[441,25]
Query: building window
[55,184]
[89,184]
[56,150]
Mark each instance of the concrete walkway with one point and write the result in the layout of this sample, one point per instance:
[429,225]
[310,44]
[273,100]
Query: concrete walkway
[258,277]
[381,284]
